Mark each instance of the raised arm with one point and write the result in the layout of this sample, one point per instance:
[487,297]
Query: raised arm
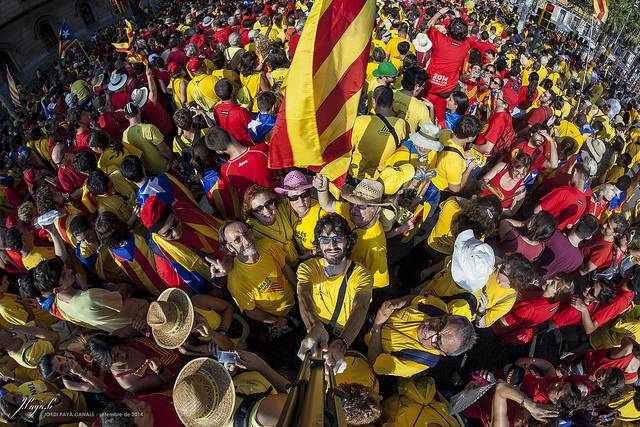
[327,201]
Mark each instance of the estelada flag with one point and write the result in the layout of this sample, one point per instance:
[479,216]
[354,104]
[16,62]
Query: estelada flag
[601,9]
[13,89]
[129,47]
[66,39]
[313,127]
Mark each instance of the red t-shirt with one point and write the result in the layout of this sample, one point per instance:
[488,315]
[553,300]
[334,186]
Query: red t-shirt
[538,154]
[600,252]
[119,100]
[619,303]
[82,139]
[529,313]
[153,113]
[523,101]
[234,119]
[70,179]
[164,413]
[251,167]
[566,203]
[539,115]
[177,56]
[499,132]
[446,61]
[483,46]
[114,124]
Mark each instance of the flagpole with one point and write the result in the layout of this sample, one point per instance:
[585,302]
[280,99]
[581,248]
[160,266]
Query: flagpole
[615,42]
[586,67]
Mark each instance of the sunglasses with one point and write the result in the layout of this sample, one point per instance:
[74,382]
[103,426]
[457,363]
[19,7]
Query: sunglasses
[302,195]
[268,206]
[170,230]
[338,240]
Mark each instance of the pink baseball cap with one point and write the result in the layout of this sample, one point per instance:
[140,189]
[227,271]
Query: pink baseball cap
[293,181]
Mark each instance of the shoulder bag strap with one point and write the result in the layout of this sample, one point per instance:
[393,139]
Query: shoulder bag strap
[341,293]
[392,131]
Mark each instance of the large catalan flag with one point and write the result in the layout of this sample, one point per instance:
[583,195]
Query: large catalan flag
[313,128]
[601,10]
[13,89]
[66,39]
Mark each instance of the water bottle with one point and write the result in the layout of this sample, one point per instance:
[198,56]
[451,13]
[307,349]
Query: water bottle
[47,219]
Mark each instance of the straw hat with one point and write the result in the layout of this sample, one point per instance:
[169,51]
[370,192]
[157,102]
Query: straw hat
[596,148]
[171,318]
[367,192]
[203,394]
[117,81]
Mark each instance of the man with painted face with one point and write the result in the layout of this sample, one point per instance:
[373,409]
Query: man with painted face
[334,292]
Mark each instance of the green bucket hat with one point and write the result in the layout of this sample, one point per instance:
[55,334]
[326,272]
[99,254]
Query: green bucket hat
[385,69]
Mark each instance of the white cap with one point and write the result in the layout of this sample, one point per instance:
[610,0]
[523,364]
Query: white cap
[472,262]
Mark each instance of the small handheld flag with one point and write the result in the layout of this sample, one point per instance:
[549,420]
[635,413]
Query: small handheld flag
[66,39]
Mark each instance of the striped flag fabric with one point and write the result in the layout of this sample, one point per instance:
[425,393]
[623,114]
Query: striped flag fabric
[66,39]
[313,127]
[601,10]
[13,89]
[129,47]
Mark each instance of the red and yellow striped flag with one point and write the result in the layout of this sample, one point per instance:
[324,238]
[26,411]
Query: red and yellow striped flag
[129,47]
[601,9]
[313,128]
[13,89]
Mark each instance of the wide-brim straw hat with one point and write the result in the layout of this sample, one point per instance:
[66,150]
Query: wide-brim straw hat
[367,192]
[171,318]
[204,394]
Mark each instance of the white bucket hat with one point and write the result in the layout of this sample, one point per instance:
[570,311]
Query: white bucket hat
[139,97]
[116,81]
[427,136]
[472,262]
[596,148]
[422,43]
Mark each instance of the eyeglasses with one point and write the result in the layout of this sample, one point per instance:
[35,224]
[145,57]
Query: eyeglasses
[303,195]
[337,240]
[436,339]
[269,205]
[238,239]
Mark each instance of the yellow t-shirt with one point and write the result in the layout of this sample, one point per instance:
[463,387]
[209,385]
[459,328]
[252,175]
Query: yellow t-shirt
[175,84]
[250,90]
[280,232]
[326,289]
[305,226]
[500,300]
[370,249]
[449,167]
[400,332]
[279,78]
[414,111]
[146,137]
[371,66]
[201,91]
[626,408]
[110,159]
[358,371]
[442,236]
[379,43]
[611,334]
[442,285]
[246,383]
[392,46]
[373,144]
[12,312]
[37,255]
[262,285]
[177,147]
[31,351]
[568,129]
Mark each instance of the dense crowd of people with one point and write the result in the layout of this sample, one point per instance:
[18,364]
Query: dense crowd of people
[477,266]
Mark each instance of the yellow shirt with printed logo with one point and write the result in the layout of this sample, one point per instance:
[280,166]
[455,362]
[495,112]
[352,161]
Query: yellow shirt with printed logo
[411,109]
[262,285]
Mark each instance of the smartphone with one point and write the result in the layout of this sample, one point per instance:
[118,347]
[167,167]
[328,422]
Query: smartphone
[230,357]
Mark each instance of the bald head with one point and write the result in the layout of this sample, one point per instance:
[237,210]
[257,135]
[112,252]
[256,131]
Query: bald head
[58,152]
